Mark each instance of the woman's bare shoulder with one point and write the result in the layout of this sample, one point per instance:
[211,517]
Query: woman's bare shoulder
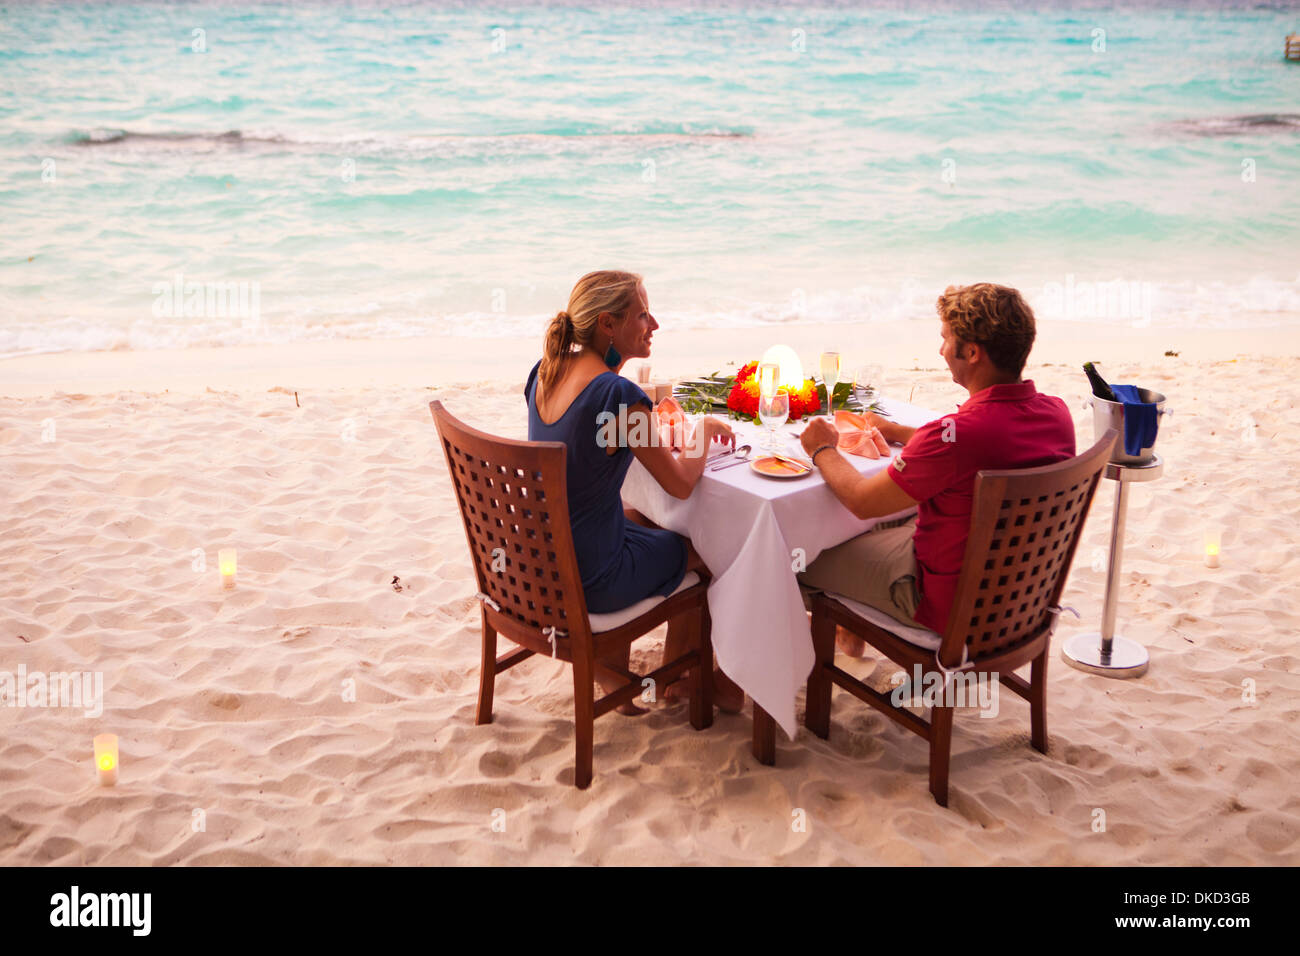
[573,381]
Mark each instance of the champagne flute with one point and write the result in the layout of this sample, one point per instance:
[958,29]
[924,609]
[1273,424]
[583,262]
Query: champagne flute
[831,376]
[769,374]
[773,410]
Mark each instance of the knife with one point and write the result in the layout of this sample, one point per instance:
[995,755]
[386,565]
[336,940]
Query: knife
[732,464]
[794,461]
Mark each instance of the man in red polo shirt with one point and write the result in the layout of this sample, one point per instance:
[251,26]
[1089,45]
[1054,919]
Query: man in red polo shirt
[910,569]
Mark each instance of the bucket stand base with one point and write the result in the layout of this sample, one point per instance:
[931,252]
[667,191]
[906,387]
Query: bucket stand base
[1103,652]
[1126,658]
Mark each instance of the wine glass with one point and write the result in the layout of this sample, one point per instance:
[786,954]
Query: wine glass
[831,376]
[773,410]
[867,378]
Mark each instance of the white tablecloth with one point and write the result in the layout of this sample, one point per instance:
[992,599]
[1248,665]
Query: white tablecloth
[746,528]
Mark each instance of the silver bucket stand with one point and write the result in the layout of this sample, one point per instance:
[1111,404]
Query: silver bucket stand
[1107,654]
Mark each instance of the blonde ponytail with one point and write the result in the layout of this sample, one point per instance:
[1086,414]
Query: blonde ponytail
[556,350]
[575,327]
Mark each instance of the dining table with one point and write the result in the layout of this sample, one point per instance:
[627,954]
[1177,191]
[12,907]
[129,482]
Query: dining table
[755,533]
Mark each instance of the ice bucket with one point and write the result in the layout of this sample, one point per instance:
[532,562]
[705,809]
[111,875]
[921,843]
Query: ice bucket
[1111,415]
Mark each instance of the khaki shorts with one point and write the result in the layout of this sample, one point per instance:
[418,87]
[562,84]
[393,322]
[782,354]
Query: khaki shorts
[876,568]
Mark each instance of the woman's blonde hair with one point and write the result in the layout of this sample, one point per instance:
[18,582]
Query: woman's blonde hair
[604,291]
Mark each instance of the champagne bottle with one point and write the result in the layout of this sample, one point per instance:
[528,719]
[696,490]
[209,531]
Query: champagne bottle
[1099,386]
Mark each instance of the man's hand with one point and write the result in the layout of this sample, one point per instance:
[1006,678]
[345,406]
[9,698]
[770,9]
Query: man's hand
[884,424]
[871,497]
[893,431]
[819,432]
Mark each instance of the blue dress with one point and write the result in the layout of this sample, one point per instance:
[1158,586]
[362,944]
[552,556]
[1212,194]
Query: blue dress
[620,561]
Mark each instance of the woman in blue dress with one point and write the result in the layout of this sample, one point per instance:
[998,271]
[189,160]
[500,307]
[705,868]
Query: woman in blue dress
[607,322]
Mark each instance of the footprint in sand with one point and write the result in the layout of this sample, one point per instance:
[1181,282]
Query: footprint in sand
[225,701]
[497,764]
[1272,832]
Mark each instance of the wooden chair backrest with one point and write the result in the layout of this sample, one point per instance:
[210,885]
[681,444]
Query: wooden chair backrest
[513,498]
[1025,526]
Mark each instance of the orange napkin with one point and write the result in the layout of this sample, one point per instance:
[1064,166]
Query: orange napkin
[674,431]
[859,438]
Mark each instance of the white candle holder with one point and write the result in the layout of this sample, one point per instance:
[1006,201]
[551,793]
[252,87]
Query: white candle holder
[106,759]
[226,562]
[1213,540]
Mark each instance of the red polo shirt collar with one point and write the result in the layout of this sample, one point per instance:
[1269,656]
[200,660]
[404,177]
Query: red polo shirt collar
[1013,392]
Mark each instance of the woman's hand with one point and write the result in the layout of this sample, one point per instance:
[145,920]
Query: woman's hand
[708,430]
[679,475]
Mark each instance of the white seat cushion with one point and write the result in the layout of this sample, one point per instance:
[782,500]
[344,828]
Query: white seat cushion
[607,622]
[920,636]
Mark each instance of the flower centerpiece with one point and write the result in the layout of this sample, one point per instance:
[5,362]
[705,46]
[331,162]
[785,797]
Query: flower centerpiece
[737,395]
[743,397]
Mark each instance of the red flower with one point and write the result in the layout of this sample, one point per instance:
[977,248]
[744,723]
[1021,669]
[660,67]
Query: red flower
[804,400]
[743,398]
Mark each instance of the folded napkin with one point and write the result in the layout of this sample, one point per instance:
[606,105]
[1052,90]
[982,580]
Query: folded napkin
[1140,419]
[859,438]
[675,432]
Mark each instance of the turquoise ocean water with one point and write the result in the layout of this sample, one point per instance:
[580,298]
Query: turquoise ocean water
[392,169]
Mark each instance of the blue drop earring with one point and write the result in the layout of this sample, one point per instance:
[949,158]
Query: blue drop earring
[612,358]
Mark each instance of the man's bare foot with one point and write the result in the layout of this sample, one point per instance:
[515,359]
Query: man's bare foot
[627,710]
[679,689]
[727,695]
[849,644]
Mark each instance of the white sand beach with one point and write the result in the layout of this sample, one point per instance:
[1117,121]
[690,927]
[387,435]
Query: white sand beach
[239,744]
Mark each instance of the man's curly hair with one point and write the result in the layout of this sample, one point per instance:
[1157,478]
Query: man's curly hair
[992,316]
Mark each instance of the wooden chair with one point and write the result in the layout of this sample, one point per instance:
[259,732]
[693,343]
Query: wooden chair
[1024,529]
[514,502]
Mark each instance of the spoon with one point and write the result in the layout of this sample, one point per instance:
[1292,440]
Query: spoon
[726,452]
[741,454]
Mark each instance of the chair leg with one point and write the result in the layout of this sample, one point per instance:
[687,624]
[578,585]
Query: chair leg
[584,721]
[702,682]
[1038,702]
[764,736]
[487,675]
[940,750]
[817,714]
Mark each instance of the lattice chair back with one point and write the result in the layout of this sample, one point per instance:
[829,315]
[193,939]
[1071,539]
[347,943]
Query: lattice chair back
[514,502]
[1025,528]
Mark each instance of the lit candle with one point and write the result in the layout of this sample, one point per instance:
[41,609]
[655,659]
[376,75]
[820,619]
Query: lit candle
[790,374]
[767,375]
[1212,539]
[106,759]
[226,560]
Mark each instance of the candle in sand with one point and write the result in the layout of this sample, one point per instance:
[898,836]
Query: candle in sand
[1212,541]
[106,759]
[226,561]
